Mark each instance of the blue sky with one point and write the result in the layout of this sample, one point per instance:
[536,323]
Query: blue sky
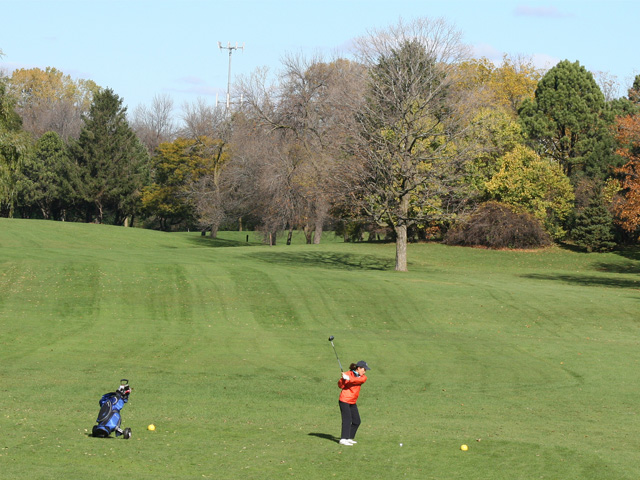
[141,48]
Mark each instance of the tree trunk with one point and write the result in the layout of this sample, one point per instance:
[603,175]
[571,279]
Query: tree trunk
[322,207]
[401,248]
[307,234]
[100,212]
[318,233]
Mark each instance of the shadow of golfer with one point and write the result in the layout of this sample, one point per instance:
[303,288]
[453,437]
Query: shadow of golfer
[326,436]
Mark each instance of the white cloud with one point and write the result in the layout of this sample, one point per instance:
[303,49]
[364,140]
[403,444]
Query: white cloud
[484,50]
[191,80]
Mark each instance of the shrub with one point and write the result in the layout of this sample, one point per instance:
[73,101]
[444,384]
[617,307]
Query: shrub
[497,225]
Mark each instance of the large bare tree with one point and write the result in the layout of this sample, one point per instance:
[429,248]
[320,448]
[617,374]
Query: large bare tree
[412,113]
[256,183]
[304,112]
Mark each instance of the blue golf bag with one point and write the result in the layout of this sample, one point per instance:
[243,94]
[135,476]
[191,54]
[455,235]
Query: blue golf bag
[109,416]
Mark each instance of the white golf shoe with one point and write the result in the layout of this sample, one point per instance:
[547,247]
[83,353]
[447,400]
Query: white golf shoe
[346,442]
[352,441]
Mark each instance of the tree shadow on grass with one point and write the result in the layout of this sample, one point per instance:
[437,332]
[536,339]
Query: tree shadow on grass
[221,242]
[325,436]
[630,266]
[626,268]
[342,261]
[588,280]
[572,248]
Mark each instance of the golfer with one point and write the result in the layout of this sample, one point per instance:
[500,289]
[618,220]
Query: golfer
[350,385]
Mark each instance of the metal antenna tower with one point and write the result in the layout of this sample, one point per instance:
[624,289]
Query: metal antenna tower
[231,48]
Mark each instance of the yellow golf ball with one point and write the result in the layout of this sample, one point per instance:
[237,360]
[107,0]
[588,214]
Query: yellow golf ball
[464,448]
[151,427]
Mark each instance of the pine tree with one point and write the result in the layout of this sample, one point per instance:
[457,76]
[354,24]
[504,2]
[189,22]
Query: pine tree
[46,181]
[593,228]
[113,163]
[568,121]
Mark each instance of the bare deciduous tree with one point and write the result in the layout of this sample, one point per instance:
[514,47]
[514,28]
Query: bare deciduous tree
[304,114]
[408,123]
[154,125]
[201,119]
[609,85]
[207,198]
[257,181]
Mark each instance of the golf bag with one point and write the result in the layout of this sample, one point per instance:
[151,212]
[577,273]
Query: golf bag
[109,416]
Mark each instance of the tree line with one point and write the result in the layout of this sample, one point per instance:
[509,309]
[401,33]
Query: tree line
[410,139]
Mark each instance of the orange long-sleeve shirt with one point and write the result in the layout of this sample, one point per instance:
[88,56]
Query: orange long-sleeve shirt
[351,388]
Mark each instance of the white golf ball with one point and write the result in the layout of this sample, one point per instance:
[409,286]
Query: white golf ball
[400,444]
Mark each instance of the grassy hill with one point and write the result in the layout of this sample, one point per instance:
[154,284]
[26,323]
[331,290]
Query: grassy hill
[530,358]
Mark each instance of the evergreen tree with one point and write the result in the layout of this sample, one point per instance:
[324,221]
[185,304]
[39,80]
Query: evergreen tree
[634,91]
[567,120]
[47,178]
[113,164]
[593,227]
[629,105]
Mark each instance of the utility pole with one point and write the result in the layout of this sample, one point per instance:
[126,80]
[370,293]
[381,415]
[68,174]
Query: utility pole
[231,48]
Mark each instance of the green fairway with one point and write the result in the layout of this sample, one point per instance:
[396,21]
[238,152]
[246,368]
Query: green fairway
[530,358]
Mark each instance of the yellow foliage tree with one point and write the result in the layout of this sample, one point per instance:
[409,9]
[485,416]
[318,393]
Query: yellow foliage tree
[537,184]
[505,86]
[49,100]
[185,186]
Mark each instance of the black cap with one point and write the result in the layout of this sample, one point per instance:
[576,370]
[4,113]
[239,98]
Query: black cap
[363,364]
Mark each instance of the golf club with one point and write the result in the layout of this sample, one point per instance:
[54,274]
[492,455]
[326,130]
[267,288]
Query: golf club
[334,351]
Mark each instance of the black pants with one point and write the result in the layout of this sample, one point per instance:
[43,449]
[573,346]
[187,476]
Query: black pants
[350,419]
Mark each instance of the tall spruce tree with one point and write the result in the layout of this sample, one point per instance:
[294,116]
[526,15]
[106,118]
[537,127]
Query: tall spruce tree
[113,164]
[593,227]
[567,120]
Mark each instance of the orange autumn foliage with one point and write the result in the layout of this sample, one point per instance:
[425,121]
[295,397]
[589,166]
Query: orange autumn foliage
[627,208]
